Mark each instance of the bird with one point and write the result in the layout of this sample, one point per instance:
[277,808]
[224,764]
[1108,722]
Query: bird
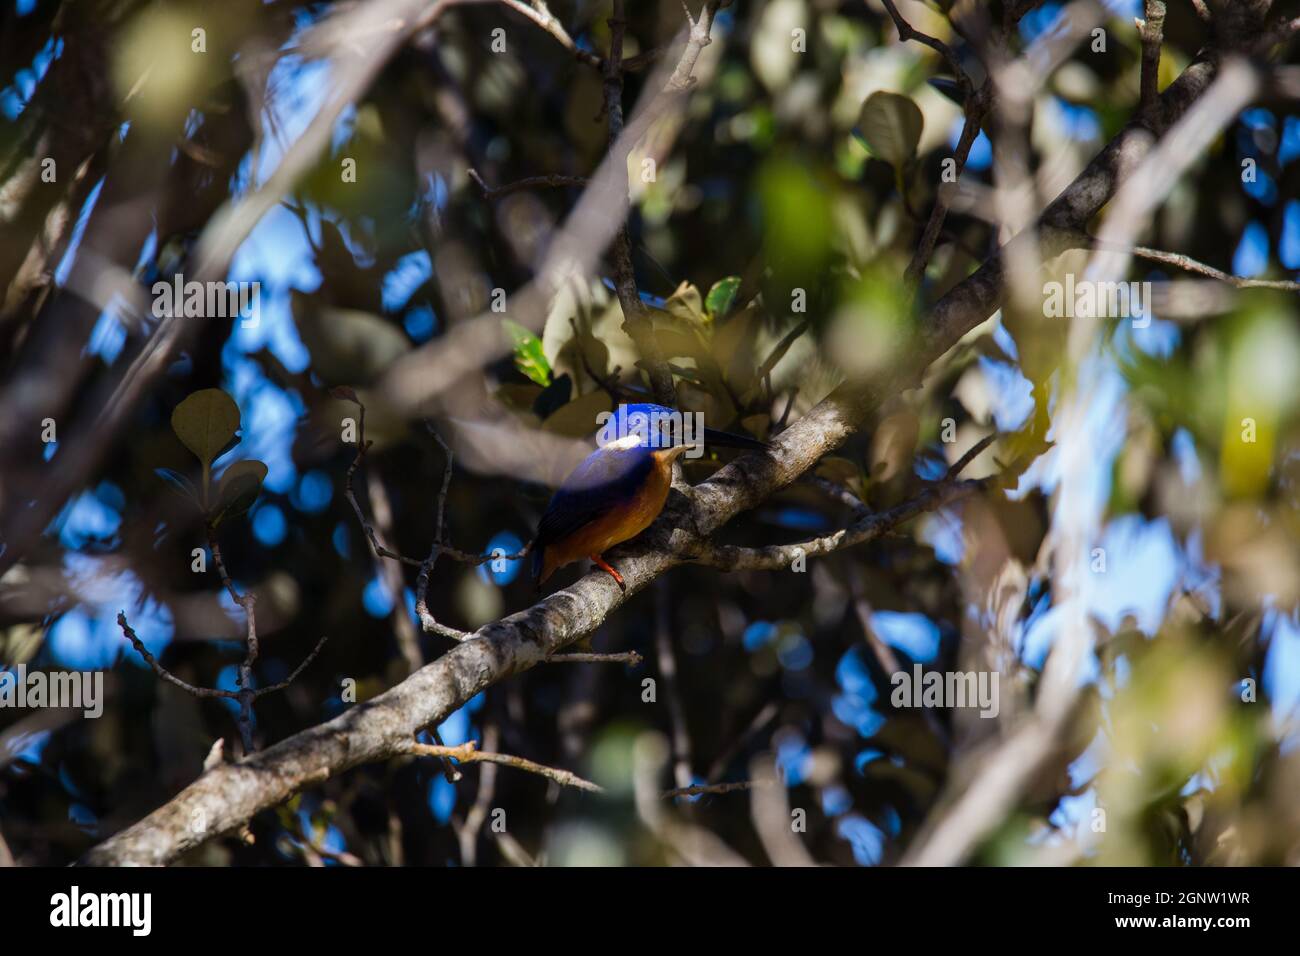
[618,490]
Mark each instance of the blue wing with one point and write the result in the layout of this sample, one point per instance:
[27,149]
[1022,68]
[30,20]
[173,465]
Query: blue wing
[606,479]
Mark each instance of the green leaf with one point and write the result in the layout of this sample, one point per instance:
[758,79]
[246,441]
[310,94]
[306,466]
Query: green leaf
[239,488]
[721,297]
[529,357]
[890,126]
[206,423]
[179,483]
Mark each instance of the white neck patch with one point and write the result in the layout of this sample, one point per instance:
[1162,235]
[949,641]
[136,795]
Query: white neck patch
[626,443]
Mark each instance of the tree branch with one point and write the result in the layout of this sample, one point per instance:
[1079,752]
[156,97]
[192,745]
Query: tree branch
[1188,264]
[469,753]
[1152,30]
[781,557]
[491,194]
[543,17]
[164,673]
[907,32]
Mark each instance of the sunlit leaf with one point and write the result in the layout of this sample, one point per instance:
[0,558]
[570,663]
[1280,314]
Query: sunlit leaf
[206,422]
[722,295]
[529,357]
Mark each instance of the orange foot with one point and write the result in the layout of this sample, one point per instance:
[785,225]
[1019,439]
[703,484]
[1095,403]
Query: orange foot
[608,569]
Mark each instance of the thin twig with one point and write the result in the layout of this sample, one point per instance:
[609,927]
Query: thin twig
[970,455]
[977,108]
[437,549]
[700,788]
[244,677]
[163,672]
[491,193]
[362,447]
[427,620]
[543,17]
[405,630]
[261,692]
[884,654]
[468,752]
[449,770]
[765,716]
[313,845]
[865,527]
[467,832]
[1188,264]
[907,32]
[625,657]
[785,415]
[838,492]
[445,550]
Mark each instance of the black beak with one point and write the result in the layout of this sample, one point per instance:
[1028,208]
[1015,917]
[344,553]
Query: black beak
[727,439]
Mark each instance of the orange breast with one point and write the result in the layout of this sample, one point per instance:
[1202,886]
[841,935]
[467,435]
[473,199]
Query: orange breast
[617,525]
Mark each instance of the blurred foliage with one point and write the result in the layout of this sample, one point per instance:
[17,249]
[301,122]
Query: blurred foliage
[769,250]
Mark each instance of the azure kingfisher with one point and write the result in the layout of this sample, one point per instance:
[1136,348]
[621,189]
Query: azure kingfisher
[619,489]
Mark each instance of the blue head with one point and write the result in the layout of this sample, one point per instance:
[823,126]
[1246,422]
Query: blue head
[658,426]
